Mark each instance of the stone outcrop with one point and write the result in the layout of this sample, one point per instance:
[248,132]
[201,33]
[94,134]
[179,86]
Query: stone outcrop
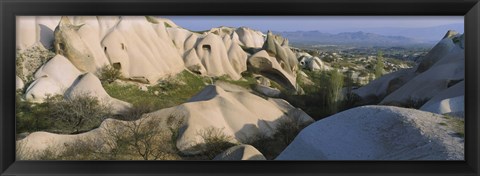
[377,133]
[240,152]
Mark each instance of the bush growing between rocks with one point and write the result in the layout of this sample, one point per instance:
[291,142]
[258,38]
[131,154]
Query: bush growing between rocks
[144,139]
[77,114]
[30,60]
[109,74]
[215,142]
[31,117]
[286,131]
[137,111]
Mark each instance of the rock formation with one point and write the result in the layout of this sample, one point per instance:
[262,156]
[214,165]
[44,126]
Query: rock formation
[261,62]
[377,133]
[440,69]
[89,85]
[234,112]
[240,152]
[53,78]
[237,113]
[19,85]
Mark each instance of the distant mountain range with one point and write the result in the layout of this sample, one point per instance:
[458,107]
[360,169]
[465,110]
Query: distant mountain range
[427,34]
[347,38]
[386,36]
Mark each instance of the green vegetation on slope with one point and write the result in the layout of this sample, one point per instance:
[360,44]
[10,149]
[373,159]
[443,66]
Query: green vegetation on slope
[59,115]
[167,93]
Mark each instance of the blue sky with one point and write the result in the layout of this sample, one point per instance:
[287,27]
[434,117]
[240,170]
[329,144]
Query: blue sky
[308,23]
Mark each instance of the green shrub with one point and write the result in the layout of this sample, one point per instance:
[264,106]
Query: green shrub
[144,139]
[379,66]
[30,117]
[215,142]
[77,114]
[137,111]
[28,61]
[165,94]
[271,146]
[456,124]
[109,74]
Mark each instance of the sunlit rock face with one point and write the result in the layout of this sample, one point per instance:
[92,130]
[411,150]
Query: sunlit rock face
[233,112]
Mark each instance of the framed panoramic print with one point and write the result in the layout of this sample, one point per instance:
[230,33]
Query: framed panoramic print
[239,87]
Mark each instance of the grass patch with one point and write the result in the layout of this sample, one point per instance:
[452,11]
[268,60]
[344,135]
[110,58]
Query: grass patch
[30,117]
[167,93]
[456,124]
[247,82]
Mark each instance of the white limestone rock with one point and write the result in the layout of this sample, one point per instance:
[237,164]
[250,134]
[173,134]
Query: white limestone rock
[450,100]
[450,67]
[236,113]
[240,152]
[249,38]
[134,46]
[53,78]
[262,62]
[377,133]
[89,85]
[212,53]
[19,85]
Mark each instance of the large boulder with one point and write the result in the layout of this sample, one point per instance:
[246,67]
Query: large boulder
[53,78]
[450,68]
[214,56]
[142,50]
[38,144]
[377,89]
[248,37]
[277,46]
[70,44]
[240,152]
[377,133]
[19,85]
[437,52]
[447,101]
[313,63]
[262,63]
[236,113]
[89,85]
[454,106]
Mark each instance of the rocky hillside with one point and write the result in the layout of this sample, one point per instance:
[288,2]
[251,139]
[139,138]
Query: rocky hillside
[430,128]
[157,91]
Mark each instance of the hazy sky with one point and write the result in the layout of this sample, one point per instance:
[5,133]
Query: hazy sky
[308,23]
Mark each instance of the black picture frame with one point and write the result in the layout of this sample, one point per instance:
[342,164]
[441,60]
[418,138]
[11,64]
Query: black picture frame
[10,8]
